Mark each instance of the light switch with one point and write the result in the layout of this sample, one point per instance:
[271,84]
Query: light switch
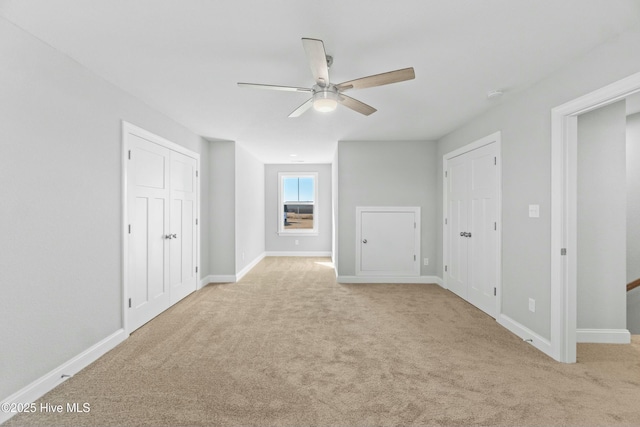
[534,211]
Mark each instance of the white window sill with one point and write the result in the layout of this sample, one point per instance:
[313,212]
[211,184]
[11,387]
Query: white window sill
[297,233]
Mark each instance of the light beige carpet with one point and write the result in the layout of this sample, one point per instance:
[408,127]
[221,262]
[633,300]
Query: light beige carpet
[289,346]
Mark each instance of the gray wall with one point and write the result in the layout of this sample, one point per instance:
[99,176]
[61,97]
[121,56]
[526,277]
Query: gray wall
[222,208]
[633,197]
[275,242]
[249,208]
[379,173]
[61,210]
[205,219]
[334,209]
[525,121]
[633,220]
[601,221]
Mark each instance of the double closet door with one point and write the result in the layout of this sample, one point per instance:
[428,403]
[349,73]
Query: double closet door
[162,228]
[471,228]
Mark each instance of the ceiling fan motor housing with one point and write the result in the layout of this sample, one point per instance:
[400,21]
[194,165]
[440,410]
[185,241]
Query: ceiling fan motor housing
[325,99]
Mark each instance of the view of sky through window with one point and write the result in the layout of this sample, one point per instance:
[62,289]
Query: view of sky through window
[298,189]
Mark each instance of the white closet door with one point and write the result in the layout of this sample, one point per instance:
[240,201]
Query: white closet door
[483,244]
[458,224]
[148,213]
[472,237]
[183,275]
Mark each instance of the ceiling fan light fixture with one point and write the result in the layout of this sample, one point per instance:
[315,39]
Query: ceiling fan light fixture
[325,101]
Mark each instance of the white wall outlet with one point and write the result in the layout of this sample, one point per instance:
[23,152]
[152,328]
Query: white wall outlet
[534,211]
[532,305]
[297,242]
[426,261]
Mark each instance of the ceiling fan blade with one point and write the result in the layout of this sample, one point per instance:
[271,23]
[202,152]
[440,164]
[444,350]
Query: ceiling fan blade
[274,87]
[379,79]
[317,60]
[356,105]
[301,109]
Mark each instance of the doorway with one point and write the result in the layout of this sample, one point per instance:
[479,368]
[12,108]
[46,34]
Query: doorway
[564,143]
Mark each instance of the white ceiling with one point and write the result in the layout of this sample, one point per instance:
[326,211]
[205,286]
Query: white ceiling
[184,58]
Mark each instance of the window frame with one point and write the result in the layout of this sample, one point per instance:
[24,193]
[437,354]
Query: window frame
[299,231]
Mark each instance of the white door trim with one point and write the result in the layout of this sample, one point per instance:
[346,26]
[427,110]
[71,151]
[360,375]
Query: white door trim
[489,139]
[130,129]
[417,235]
[564,166]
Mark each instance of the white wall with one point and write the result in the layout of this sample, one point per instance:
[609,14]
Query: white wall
[379,173]
[61,209]
[222,208]
[525,121]
[277,243]
[601,220]
[249,208]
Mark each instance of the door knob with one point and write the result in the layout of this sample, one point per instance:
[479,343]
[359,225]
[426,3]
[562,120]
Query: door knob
[462,234]
[174,236]
[468,234]
[364,241]
[167,236]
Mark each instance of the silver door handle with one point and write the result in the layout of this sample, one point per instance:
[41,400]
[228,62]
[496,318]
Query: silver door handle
[364,241]
[174,236]
[462,234]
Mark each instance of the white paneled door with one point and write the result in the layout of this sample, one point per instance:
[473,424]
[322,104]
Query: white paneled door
[471,269]
[161,229]
[183,275]
[388,240]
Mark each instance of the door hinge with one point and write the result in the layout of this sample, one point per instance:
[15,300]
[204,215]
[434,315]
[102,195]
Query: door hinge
[414,257]
[129,302]
[495,292]
[445,221]
[414,225]
[445,268]
[495,160]
[196,221]
[495,226]
[129,228]
[196,269]
[446,174]
[563,251]
[129,155]
[196,174]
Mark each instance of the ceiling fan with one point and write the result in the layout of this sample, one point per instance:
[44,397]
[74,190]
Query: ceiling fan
[325,96]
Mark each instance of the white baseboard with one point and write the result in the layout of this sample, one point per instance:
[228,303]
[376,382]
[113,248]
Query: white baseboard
[603,336]
[248,268]
[390,279]
[218,278]
[300,253]
[536,340]
[49,381]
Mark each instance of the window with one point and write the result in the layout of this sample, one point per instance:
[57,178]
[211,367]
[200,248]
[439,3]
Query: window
[298,203]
